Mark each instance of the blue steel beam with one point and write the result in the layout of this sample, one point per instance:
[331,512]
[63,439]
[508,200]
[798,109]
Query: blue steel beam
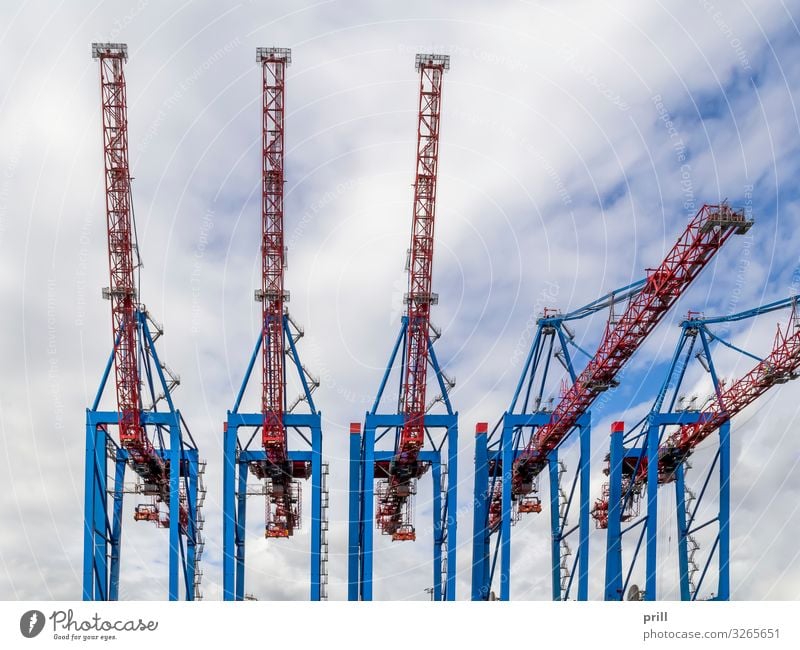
[238,455]
[692,330]
[363,456]
[500,448]
[103,507]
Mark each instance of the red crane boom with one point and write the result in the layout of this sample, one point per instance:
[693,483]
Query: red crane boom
[122,290]
[780,366]
[283,498]
[704,236]
[393,510]
[273,434]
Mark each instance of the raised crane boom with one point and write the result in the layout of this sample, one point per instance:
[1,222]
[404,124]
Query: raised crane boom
[704,236]
[283,498]
[273,434]
[419,299]
[122,290]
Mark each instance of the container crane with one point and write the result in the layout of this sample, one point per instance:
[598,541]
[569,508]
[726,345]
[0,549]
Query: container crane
[278,467]
[632,476]
[502,495]
[283,507]
[393,517]
[778,368]
[397,471]
[169,473]
[551,357]
[703,237]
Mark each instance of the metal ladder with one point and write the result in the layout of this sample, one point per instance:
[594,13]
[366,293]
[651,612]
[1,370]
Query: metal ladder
[692,545]
[323,539]
[566,551]
[443,531]
[200,542]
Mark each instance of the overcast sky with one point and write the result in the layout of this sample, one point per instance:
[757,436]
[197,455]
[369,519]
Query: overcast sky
[577,139]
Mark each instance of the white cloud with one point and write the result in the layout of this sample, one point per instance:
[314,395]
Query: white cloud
[556,171]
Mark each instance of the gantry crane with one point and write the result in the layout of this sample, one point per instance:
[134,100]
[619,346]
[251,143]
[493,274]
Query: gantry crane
[508,466]
[550,356]
[154,443]
[278,468]
[671,432]
[397,471]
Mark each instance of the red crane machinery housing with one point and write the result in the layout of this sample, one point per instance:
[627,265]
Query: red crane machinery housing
[393,513]
[283,493]
[703,237]
[122,291]
[780,366]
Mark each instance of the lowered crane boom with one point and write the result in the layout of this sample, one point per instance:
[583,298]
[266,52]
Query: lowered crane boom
[779,367]
[704,236]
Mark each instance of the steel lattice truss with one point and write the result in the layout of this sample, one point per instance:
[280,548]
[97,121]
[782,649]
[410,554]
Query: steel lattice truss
[393,512]
[283,500]
[780,366]
[704,236]
[122,291]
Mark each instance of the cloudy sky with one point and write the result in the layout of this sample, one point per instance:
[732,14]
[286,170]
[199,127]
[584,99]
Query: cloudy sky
[577,139]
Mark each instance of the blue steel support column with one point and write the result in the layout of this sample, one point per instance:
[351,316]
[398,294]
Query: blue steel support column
[116,525]
[235,477]
[241,527]
[192,531]
[652,509]
[480,531]
[613,586]
[724,587]
[100,515]
[316,510]
[103,513]
[507,451]
[555,526]
[367,505]
[228,509]
[583,532]
[683,551]
[88,513]
[354,532]
[174,509]
[438,531]
[452,510]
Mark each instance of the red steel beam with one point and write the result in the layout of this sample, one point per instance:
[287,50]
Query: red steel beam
[394,511]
